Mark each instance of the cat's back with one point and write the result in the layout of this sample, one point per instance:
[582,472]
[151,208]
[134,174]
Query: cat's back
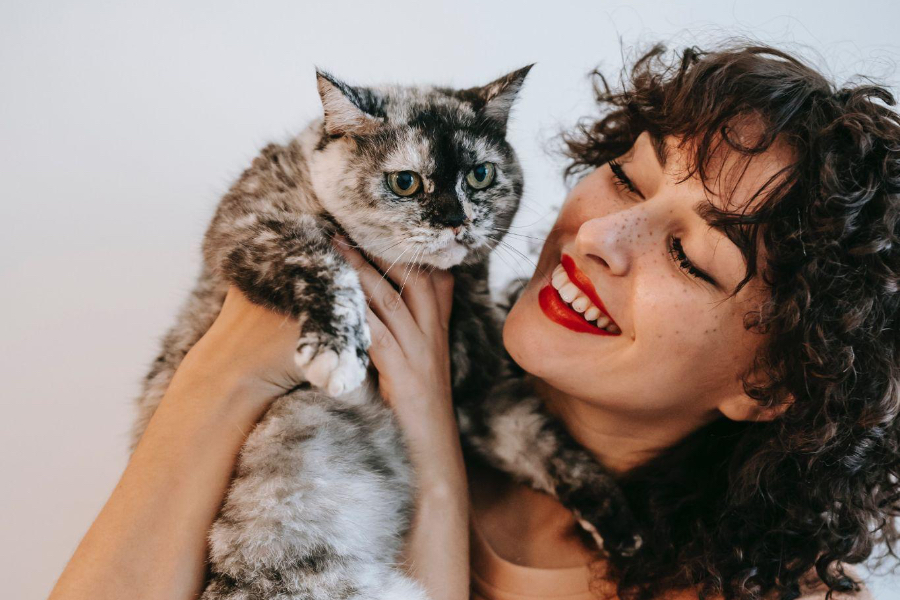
[279,178]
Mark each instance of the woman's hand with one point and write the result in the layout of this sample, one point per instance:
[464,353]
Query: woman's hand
[410,349]
[409,342]
[248,346]
[149,541]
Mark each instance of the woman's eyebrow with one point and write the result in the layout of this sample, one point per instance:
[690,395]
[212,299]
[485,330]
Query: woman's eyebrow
[707,212]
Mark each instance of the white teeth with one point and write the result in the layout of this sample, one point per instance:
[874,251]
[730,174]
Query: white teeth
[581,303]
[568,292]
[573,296]
[559,279]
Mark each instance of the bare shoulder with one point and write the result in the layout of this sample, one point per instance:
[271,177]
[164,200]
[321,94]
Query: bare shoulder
[814,589]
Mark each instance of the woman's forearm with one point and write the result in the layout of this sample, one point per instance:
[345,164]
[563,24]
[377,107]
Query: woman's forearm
[437,549]
[149,540]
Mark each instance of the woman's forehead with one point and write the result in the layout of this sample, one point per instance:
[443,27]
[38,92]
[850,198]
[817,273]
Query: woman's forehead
[730,179]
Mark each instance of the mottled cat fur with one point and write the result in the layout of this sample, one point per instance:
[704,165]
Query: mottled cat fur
[323,490]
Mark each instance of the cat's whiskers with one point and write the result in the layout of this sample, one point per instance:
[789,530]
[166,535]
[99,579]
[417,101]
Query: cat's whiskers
[523,236]
[532,224]
[410,266]
[509,248]
[386,271]
[384,247]
[505,262]
[419,269]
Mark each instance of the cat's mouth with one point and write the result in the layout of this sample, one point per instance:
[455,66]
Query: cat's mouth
[440,249]
[446,253]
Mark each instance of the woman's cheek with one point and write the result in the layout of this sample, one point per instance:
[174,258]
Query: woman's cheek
[581,208]
[663,297]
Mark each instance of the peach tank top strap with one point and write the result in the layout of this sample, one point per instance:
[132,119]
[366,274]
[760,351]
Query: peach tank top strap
[494,578]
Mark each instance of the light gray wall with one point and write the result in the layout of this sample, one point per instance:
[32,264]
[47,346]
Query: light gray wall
[121,123]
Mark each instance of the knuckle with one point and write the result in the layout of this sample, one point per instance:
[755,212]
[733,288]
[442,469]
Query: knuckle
[391,300]
[384,339]
[381,339]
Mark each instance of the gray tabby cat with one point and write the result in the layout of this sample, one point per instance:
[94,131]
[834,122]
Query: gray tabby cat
[323,490]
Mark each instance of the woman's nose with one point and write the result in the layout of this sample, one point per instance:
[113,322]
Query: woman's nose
[614,239]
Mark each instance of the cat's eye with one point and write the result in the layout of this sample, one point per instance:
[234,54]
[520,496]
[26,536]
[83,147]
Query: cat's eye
[404,183]
[481,176]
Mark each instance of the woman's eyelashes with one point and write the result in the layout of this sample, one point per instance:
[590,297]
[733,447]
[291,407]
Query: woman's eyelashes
[621,179]
[676,250]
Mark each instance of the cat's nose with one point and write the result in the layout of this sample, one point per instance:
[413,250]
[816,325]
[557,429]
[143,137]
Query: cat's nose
[455,220]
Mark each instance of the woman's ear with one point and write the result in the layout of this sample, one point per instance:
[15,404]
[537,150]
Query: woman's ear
[742,407]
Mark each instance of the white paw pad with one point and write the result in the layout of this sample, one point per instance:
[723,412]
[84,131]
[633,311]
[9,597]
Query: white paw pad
[329,371]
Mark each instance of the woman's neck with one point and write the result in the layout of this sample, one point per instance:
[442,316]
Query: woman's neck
[619,441]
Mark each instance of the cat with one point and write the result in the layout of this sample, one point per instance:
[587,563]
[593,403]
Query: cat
[323,490]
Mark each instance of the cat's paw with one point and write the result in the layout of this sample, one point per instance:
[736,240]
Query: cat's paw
[615,533]
[329,367]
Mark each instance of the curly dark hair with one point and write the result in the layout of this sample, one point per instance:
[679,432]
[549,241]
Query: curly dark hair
[747,510]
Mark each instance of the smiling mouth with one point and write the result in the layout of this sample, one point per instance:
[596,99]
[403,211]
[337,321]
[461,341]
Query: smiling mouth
[571,301]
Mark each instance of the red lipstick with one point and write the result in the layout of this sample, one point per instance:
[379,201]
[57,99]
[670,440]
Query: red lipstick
[584,284]
[560,312]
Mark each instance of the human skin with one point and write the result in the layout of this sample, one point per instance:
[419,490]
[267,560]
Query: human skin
[149,540]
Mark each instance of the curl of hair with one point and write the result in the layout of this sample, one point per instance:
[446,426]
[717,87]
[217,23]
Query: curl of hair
[743,509]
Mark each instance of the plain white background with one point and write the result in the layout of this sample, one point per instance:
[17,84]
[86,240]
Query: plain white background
[122,123]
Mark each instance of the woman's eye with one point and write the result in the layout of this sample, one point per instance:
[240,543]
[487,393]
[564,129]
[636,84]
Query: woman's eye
[621,179]
[404,183]
[481,176]
[677,252]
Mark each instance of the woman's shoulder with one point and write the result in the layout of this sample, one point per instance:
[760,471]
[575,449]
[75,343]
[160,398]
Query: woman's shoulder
[813,588]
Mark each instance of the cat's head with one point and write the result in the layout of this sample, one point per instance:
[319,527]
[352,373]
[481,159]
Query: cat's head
[419,174]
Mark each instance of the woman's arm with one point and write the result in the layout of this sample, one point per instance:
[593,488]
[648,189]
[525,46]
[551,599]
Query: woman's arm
[149,540]
[411,352]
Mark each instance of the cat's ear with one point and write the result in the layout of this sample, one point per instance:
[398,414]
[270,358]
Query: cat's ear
[498,96]
[348,110]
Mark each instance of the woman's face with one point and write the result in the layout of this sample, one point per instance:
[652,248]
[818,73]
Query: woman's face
[680,348]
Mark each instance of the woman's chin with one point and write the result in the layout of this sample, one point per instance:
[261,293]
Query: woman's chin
[529,336]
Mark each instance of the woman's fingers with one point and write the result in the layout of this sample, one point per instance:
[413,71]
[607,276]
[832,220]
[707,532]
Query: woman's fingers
[424,298]
[442,281]
[386,354]
[383,298]
[415,287]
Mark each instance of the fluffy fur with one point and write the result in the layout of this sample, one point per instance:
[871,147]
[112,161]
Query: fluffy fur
[322,494]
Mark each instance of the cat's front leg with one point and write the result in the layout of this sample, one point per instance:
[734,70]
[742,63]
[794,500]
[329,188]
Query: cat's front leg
[286,262]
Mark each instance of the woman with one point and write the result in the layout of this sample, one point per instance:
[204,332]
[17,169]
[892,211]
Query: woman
[737,218]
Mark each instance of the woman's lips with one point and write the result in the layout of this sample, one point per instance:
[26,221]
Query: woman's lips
[559,312]
[584,284]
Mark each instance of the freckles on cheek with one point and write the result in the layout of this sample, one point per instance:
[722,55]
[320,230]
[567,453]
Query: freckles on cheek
[671,305]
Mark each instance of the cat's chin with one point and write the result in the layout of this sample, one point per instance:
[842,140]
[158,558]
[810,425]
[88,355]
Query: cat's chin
[448,257]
